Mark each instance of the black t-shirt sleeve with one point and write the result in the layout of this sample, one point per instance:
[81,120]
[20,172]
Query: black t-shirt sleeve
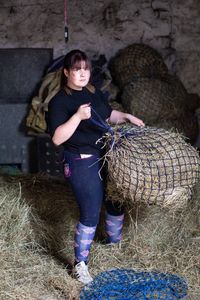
[57,113]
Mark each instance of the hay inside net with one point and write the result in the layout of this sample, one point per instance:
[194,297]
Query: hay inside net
[136,60]
[154,98]
[151,165]
[161,101]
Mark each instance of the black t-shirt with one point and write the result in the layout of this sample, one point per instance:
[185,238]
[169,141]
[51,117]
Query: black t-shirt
[63,106]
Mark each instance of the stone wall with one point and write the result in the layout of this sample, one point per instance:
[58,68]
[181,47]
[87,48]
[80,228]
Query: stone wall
[103,27]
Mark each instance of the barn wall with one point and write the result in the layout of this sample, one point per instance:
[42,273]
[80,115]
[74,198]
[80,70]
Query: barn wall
[103,27]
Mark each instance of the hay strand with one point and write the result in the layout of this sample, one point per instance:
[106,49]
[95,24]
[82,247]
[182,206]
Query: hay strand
[154,238]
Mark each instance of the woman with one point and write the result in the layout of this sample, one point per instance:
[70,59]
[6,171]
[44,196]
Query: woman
[74,115]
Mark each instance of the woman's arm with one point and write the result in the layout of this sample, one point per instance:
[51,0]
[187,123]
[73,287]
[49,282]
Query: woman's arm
[118,117]
[66,130]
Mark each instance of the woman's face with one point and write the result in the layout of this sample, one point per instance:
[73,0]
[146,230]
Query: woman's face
[78,77]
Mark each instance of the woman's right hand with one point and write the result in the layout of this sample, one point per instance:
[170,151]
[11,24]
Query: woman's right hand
[67,129]
[84,111]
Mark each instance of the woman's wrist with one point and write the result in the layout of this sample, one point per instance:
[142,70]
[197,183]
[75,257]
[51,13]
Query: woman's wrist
[127,117]
[77,117]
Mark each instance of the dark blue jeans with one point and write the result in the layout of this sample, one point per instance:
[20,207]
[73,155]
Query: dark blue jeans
[88,180]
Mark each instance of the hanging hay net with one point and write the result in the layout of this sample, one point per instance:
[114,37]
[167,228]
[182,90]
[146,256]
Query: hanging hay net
[129,284]
[136,60]
[161,101]
[151,165]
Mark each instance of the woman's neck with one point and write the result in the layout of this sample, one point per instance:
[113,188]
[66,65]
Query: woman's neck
[74,87]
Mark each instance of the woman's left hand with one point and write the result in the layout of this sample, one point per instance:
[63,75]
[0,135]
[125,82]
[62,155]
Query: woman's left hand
[118,117]
[135,120]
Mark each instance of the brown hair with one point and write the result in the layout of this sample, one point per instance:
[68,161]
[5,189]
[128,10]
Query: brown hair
[73,60]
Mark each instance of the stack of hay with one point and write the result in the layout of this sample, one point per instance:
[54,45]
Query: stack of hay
[152,94]
[31,226]
[37,210]
[151,166]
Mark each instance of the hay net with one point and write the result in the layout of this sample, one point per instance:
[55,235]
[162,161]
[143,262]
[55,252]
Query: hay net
[151,165]
[164,96]
[168,100]
[130,284]
[136,60]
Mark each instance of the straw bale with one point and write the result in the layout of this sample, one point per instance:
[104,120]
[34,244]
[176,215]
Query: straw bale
[136,60]
[151,165]
[161,102]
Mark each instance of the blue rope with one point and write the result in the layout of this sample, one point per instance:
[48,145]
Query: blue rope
[133,131]
[106,128]
[125,284]
[100,122]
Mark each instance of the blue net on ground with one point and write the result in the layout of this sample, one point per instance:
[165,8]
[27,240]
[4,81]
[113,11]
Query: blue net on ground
[127,284]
